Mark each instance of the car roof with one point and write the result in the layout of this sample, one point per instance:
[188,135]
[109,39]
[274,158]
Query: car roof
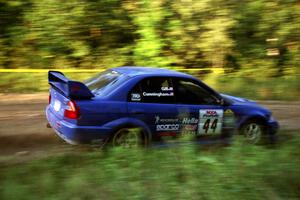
[149,71]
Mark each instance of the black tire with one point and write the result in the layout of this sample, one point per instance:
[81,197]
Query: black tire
[129,138]
[253,131]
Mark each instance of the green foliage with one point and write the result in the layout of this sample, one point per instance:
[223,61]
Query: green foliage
[255,42]
[208,33]
[238,171]
[148,47]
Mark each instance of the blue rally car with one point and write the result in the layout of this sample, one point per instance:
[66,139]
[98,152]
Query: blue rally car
[131,106]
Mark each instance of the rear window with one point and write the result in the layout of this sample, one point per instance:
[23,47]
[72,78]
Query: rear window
[104,82]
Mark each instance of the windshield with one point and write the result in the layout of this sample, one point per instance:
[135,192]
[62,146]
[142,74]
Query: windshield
[101,81]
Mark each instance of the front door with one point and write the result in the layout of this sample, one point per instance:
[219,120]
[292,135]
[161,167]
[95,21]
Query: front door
[199,110]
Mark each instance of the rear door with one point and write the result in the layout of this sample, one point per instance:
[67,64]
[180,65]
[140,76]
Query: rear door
[199,110]
[152,101]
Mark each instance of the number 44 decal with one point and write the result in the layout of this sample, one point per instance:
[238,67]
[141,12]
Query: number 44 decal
[210,121]
[207,125]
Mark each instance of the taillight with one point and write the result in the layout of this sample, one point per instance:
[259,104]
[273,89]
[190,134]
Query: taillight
[49,99]
[71,111]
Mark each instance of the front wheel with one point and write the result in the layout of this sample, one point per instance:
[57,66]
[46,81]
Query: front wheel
[253,132]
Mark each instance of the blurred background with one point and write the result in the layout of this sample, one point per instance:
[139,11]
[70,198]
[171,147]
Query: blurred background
[248,48]
[229,44]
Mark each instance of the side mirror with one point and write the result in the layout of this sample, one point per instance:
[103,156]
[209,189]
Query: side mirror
[221,102]
[224,102]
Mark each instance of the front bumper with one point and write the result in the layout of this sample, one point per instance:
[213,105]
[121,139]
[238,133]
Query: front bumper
[272,126]
[74,134]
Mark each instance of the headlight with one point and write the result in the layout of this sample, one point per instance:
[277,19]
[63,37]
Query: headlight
[272,118]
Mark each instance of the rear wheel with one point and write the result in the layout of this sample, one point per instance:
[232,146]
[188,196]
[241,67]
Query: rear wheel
[253,132]
[128,138]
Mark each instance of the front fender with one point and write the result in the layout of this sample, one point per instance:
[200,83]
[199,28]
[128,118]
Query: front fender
[244,119]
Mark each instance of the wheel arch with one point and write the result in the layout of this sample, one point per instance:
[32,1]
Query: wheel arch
[129,123]
[258,118]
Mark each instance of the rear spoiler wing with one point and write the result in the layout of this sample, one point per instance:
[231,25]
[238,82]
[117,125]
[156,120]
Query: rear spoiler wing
[69,88]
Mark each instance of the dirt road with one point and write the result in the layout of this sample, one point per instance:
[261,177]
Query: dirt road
[23,123]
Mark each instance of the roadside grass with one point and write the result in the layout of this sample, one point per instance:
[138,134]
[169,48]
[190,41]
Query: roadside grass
[237,171]
[282,88]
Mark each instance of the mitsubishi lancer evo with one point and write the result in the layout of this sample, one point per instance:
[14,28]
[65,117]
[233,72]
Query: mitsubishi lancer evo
[155,103]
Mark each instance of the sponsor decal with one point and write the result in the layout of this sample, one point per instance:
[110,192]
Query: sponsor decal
[210,113]
[188,133]
[210,121]
[229,118]
[135,97]
[167,88]
[189,127]
[187,120]
[158,94]
[165,120]
[228,112]
[167,127]
[166,134]
[157,118]
[186,124]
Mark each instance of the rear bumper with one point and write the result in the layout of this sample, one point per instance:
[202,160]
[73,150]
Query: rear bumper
[74,134]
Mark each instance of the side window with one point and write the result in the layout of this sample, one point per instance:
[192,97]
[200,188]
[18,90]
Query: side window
[153,90]
[189,92]
[135,95]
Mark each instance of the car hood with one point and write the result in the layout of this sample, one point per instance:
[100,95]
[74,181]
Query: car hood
[238,100]
[242,105]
